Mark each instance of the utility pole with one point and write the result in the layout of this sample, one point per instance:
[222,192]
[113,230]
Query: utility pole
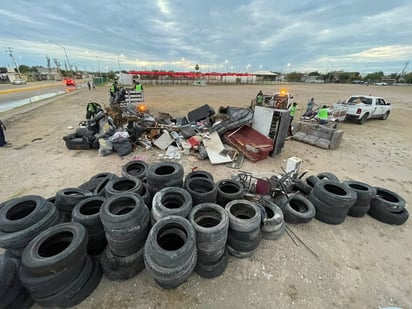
[65,52]
[10,51]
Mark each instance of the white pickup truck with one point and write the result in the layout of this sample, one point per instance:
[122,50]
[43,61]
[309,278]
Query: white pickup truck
[363,107]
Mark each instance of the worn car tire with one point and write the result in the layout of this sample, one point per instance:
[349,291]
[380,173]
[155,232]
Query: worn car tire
[273,223]
[364,194]
[135,168]
[242,249]
[334,193]
[386,198]
[202,190]
[328,176]
[334,210]
[87,212]
[171,201]
[303,187]
[118,268]
[67,198]
[164,174]
[299,210]
[228,190]
[312,180]
[199,174]
[386,215]
[55,248]
[20,213]
[212,270]
[244,216]
[123,185]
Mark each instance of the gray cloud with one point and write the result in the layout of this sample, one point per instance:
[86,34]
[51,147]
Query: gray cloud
[225,35]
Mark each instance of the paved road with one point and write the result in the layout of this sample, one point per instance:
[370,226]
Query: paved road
[12,96]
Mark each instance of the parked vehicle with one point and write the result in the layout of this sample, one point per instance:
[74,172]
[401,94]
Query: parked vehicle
[19,81]
[363,107]
[381,84]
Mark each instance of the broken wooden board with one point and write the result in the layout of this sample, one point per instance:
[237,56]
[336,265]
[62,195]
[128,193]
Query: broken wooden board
[214,148]
[164,140]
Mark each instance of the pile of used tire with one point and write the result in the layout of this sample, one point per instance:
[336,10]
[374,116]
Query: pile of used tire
[334,200]
[155,218]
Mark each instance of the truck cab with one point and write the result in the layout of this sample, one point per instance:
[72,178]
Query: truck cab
[363,107]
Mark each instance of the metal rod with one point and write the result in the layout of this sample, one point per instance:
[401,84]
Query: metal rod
[301,241]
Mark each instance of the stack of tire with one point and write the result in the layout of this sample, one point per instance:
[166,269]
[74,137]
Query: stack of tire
[171,201]
[170,253]
[332,201]
[139,169]
[364,195]
[22,219]
[297,208]
[126,221]
[273,224]
[56,269]
[388,207]
[202,190]
[211,224]
[87,213]
[67,198]
[228,190]
[244,234]
[12,292]
[164,174]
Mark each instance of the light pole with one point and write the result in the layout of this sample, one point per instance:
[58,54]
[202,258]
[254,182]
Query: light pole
[65,52]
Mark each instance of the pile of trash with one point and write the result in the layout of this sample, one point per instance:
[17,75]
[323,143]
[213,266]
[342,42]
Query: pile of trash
[175,135]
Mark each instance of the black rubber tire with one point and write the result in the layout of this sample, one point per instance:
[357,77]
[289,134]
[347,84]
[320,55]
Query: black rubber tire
[55,248]
[363,119]
[170,253]
[20,213]
[87,212]
[19,239]
[299,210]
[329,219]
[328,176]
[100,188]
[244,216]
[23,300]
[171,201]
[334,193]
[123,185]
[53,282]
[245,236]
[8,271]
[199,174]
[127,244]
[273,222]
[13,291]
[365,193]
[124,211]
[334,210]
[78,290]
[228,190]
[385,215]
[135,168]
[212,270]
[96,180]
[242,249]
[164,174]
[118,268]
[146,195]
[386,115]
[312,180]
[67,198]
[171,241]
[202,190]
[388,199]
[301,186]
[97,242]
[211,223]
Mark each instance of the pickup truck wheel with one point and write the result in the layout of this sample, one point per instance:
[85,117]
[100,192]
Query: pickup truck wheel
[386,115]
[363,119]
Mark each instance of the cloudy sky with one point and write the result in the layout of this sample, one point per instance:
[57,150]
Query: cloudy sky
[225,35]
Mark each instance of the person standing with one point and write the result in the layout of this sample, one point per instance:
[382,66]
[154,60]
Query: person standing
[323,115]
[89,86]
[3,141]
[309,107]
[292,112]
[113,91]
[259,98]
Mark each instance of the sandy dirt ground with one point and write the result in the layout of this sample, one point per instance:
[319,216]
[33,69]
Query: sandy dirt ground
[361,263]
